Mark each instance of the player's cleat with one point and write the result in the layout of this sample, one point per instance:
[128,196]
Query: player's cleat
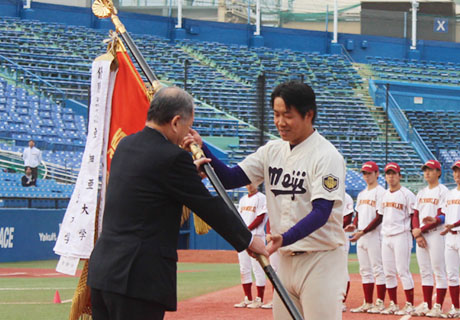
[256,304]
[378,308]
[268,305]
[421,310]
[344,307]
[365,307]
[453,313]
[435,312]
[392,308]
[408,309]
[243,304]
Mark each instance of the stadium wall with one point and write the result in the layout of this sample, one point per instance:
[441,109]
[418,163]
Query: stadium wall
[418,96]
[359,46]
[30,234]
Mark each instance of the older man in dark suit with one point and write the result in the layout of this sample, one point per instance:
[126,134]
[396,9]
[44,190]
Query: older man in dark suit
[132,270]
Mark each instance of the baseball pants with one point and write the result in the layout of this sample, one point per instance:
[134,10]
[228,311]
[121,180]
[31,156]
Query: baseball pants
[431,259]
[396,251]
[369,250]
[452,255]
[248,264]
[315,281]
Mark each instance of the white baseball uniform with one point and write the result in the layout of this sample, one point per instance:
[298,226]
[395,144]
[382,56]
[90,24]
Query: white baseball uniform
[250,207]
[431,258]
[451,209]
[312,269]
[397,208]
[347,209]
[369,246]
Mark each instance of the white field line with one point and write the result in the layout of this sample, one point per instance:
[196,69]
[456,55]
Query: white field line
[9,274]
[26,289]
[15,303]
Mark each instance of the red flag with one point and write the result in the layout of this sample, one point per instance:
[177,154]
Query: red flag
[130,104]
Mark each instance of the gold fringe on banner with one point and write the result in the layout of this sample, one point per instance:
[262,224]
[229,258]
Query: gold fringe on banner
[201,227]
[81,301]
[185,215]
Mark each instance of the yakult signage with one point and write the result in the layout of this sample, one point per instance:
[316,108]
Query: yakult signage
[28,234]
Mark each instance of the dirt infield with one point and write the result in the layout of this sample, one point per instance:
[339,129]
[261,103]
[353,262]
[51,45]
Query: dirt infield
[33,273]
[208,256]
[219,305]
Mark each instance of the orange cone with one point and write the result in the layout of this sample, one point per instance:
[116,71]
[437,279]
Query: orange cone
[57,297]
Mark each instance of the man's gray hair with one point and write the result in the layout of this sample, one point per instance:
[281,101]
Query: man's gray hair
[169,102]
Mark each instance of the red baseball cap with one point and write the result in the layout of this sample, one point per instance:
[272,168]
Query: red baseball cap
[370,166]
[392,166]
[456,165]
[433,164]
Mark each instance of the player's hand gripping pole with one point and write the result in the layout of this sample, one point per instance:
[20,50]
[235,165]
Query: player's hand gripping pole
[263,261]
[105,9]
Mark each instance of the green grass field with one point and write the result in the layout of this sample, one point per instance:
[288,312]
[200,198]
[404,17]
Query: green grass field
[32,298]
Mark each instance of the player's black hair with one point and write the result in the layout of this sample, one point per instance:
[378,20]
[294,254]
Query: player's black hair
[296,94]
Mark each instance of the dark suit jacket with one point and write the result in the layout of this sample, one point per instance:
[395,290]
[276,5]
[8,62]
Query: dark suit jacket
[150,180]
[25,182]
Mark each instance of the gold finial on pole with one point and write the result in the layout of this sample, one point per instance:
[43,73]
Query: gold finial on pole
[105,9]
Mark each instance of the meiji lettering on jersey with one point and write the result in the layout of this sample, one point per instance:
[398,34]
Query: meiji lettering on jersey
[294,181]
[6,237]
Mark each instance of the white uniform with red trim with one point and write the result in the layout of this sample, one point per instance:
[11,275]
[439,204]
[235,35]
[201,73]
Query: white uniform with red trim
[431,258]
[313,169]
[369,246]
[250,207]
[451,209]
[397,208]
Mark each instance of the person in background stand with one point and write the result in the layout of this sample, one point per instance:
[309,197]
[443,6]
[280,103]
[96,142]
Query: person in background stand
[253,210]
[28,180]
[32,157]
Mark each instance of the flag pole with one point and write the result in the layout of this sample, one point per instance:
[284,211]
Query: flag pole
[106,9]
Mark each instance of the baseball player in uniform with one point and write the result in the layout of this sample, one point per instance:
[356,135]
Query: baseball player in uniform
[430,243]
[451,209]
[347,218]
[397,206]
[253,210]
[369,239]
[304,177]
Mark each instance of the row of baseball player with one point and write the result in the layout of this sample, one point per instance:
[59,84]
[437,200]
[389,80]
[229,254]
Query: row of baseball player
[384,225]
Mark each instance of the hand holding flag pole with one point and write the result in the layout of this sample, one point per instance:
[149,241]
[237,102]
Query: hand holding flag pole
[105,9]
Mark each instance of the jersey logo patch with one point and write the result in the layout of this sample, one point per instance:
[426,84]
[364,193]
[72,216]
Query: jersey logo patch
[330,182]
